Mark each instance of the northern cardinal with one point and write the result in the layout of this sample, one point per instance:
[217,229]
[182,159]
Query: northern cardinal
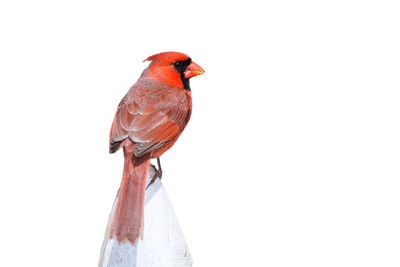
[148,121]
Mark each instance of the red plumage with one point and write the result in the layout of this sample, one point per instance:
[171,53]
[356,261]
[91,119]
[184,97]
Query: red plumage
[148,121]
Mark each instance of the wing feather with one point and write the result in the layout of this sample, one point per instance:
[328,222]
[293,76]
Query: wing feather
[153,122]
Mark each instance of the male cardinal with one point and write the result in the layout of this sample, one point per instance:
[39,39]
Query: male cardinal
[148,121]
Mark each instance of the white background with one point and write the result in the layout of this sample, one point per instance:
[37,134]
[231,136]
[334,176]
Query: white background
[291,157]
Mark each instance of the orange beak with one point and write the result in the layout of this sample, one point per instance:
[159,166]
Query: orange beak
[193,70]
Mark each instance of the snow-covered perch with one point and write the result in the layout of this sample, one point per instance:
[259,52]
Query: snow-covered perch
[163,243]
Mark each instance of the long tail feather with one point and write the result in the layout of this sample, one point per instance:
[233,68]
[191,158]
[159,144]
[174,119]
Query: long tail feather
[127,224]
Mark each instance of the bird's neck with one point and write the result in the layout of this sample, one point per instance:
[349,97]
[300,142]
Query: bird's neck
[166,76]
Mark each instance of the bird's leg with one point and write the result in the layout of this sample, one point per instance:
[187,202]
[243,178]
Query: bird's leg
[157,174]
[159,168]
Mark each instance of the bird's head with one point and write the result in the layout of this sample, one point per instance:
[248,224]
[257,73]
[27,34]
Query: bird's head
[173,68]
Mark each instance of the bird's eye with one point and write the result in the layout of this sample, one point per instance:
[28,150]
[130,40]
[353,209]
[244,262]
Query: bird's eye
[177,64]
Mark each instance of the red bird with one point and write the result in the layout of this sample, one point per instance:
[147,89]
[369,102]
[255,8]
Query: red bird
[148,121]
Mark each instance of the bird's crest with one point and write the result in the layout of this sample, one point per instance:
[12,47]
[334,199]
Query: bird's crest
[167,56]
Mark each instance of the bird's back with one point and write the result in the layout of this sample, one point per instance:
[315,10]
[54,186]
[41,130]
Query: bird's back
[151,114]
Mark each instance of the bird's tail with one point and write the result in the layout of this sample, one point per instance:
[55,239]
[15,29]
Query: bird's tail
[127,222]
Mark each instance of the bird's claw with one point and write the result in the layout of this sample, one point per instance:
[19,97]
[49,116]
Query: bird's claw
[157,174]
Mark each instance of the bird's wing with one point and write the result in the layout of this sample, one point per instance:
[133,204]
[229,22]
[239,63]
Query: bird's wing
[150,124]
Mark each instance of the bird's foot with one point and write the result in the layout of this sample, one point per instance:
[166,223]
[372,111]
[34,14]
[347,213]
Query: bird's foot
[157,174]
